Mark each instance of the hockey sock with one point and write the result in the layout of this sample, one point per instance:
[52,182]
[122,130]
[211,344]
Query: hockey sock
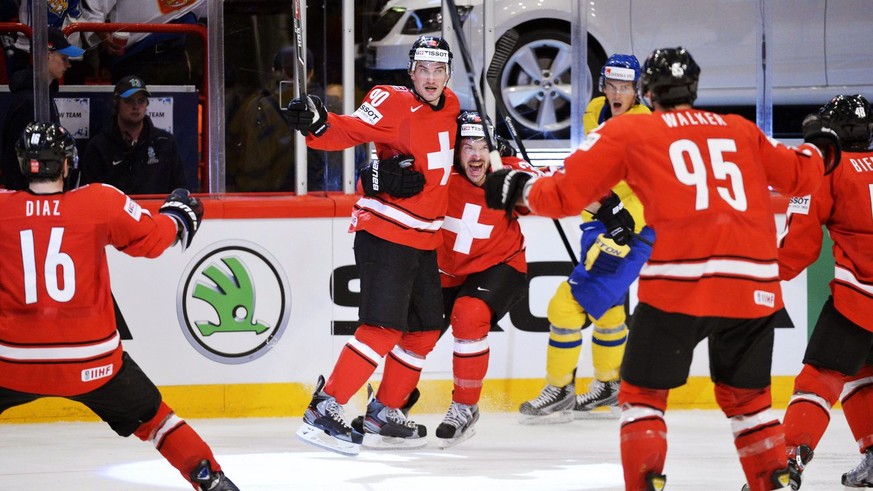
[359,359]
[643,434]
[857,399]
[607,344]
[758,435]
[471,321]
[403,367]
[565,336]
[176,441]
[809,410]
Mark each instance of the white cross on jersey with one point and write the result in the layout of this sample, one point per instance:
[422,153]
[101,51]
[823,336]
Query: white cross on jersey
[467,228]
[442,158]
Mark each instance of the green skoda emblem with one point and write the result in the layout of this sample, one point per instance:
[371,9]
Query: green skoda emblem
[233,304]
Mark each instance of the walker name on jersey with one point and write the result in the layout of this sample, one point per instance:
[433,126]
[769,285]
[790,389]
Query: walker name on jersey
[367,113]
[90,374]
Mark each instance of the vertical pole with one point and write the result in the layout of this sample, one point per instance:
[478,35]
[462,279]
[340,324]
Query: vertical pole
[39,50]
[580,83]
[348,89]
[763,85]
[215,112]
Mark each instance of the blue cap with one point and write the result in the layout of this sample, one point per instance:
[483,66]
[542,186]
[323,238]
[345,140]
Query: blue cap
[130,85]
[57,41]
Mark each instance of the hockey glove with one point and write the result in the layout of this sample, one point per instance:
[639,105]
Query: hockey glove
[187,211]
[605,256]
[504,147]
[504,189]
[618,221]
[393,176]
[816,132]
[307,115]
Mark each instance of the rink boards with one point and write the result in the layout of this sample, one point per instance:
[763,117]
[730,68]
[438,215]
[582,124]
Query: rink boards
[244,321]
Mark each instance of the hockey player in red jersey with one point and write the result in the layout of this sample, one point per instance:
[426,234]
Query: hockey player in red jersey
[703,181]
[396,225]
[838,364]
[482,265]
[57,324]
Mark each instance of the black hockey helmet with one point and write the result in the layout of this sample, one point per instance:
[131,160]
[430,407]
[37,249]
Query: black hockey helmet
[671,74]
[43,148]
[430,48]
[849,116]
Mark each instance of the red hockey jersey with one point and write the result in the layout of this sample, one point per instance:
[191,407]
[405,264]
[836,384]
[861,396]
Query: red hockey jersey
[57,322]
[399,123]
[702,178]
[844,203]
[476,237]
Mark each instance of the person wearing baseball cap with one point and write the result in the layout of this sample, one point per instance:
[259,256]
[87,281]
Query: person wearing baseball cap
[130,153]
[130,85]
[58,42]
[20,110]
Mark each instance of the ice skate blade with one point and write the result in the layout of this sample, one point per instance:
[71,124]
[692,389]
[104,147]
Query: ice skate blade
[612,412]
[316,437]
[378,442]
[445,443]
[558,417]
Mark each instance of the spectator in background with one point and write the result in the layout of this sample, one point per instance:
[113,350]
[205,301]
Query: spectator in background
[159,59]
[130,153]
[20,111]
[265,149]
[60,15]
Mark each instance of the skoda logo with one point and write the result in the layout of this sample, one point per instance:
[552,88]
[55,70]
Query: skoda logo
[234,302]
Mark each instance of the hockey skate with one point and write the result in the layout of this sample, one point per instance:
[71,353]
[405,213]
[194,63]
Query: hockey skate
[783,478]
[458,425]
[325,426]
[208,480]
[798,458]
[554,405]
[600,402]
[386,428]
[862,475]
[358,422]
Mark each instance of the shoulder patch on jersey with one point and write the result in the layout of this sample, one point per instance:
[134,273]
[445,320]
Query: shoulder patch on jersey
[368,113]
[799,205]
[399,88]
[132,208]
[590,140]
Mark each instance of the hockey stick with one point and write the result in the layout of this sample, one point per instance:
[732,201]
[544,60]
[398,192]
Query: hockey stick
[300,66]
[494,155]
[502,51]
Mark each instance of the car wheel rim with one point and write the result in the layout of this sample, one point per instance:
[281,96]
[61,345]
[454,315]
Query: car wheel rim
[535,85]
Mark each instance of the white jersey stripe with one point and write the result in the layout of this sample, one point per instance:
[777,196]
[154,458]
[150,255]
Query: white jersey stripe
[733,267]
[60,353]
[385,209]
[843,274]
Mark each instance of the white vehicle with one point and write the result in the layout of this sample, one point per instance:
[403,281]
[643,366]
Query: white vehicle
[815,48]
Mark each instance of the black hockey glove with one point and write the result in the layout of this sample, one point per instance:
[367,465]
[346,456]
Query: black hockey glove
[307,115]
[504,189]
[187,211]
[504,147]
[393,176]
[614,216]
[816,131]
